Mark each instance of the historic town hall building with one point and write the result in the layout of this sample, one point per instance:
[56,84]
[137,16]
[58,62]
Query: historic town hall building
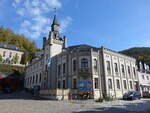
[61,71]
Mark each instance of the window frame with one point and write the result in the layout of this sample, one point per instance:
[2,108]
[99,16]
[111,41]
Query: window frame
[84,63]
[116,67]
[131,84]
[96,83]
[118,84]
[74,62]
[74,83]
[110,84]
[108,67]
[124,84]
[64,68]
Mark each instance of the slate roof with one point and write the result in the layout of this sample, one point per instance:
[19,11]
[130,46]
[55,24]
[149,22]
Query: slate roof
[55,21]
[82,46]
[9,46]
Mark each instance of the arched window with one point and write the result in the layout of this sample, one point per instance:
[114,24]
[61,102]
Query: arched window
[95,65]
[74,65]
[58,84]
[84,63]
[36,79]
[33,80]
[40,78]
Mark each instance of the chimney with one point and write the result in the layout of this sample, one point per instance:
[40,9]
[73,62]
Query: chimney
[65,42]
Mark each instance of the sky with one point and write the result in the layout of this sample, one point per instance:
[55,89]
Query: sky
[114,24]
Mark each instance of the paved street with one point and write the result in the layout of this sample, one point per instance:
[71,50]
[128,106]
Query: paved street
[25,103]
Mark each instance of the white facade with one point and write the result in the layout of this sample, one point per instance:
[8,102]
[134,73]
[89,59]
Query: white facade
[8,54]
[120,73]
[144,76]
[109,73]
[34,73]
[144,79]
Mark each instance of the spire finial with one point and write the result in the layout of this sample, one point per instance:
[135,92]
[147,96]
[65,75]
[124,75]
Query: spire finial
[55,25]
[55,11]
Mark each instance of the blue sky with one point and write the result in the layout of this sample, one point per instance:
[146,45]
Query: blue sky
[115,24]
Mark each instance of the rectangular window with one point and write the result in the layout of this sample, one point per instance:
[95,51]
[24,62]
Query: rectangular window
[134,72]
[64,68]
[30,80]
[74,65]
[96,83]
[110,83]
[147,77]
[125,84]
[40,78]
[59,70]
[95,65]
[4,53]
[74,83]
[122,68]
[143,77]
[10,55]
[33,80]
[118,84]
[116,68]
[64,84]
[131,87]
[58,84]
[129,70]
[108,66]
[36,79]
[84,63]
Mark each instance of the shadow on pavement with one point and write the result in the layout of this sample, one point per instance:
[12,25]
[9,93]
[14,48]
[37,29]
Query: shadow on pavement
[19,95]
[120,109]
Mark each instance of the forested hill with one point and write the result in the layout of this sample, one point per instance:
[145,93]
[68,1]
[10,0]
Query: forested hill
[140,53]
[9,37]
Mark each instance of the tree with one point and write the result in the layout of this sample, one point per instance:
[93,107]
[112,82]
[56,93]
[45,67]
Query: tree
[140,53]
[1,59]
[24,58]
[15,59]
[9,37]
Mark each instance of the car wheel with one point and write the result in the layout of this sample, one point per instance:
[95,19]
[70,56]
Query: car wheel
[139,98]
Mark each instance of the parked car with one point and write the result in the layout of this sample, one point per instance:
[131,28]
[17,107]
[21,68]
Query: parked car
[132,95]
[146,93]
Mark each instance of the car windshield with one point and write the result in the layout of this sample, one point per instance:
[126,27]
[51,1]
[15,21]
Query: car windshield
[130,93]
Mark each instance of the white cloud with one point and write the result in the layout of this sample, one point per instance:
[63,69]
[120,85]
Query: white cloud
[25,24]
[34,13]
[65,23]
[17,1]
[21,11]
[53,3]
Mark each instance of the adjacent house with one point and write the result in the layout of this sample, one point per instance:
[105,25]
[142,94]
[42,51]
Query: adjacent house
[144,76]
[10,54]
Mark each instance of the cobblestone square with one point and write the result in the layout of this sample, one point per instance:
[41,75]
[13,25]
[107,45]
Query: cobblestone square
[25,103]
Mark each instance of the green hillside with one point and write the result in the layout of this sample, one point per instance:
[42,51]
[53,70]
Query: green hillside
[140,53]
[29,47]
[9,69]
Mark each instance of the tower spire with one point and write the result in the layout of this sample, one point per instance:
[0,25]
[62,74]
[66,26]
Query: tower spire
[55,21]
[55,25]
